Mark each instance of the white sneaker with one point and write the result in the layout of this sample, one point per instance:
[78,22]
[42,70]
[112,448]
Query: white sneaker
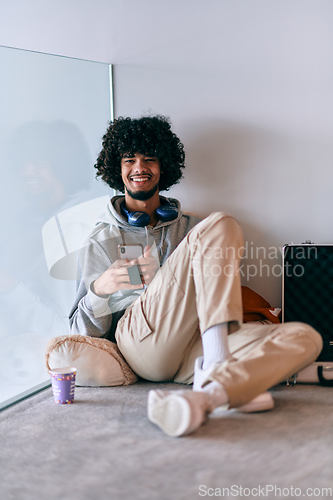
[262,402]
[178,413]
[201,376]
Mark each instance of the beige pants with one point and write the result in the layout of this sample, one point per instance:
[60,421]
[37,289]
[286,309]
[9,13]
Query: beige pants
[198,287]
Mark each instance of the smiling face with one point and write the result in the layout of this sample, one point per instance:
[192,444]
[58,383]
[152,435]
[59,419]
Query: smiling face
[40,183]
[37,177]
[141,175]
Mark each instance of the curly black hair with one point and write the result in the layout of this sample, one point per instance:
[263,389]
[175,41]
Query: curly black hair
[148,135]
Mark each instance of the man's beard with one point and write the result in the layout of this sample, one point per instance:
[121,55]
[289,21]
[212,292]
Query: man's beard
[143,195]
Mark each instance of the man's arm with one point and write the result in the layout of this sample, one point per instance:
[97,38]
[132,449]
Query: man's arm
[92,311]
[90,314]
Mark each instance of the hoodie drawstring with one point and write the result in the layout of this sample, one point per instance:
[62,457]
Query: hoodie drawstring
[162,241]
[146,228]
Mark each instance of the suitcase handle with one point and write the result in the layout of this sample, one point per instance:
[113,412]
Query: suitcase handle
[323,381]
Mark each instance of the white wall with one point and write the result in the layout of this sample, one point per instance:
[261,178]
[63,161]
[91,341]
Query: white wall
[247,84]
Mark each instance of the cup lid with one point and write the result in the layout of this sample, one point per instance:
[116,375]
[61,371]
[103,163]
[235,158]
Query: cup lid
[67,370]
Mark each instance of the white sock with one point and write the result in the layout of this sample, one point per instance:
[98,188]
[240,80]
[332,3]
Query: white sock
[215,345]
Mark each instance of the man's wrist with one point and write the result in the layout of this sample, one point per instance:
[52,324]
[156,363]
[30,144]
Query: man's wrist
[96,292]
[99,305]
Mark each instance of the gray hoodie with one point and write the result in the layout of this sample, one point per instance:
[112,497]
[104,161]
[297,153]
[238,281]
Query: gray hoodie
[97,316]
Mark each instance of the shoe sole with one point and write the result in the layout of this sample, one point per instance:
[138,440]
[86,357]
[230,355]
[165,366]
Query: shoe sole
[256,406]
[171,413]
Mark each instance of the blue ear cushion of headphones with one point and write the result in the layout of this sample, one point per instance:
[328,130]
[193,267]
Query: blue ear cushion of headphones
[167,213]
[138,219]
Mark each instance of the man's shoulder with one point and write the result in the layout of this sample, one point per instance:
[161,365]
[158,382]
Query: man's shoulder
[106,224]
[101,235]
[99,227]
[183,225]
[185,216]
[190,219]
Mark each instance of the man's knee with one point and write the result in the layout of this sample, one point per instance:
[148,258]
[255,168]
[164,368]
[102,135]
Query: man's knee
[219,217]
[306,331]
[218,227]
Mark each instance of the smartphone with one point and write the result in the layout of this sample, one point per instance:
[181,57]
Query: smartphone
[132,252]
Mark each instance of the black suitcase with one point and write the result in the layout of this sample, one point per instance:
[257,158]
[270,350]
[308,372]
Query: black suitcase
[307,290]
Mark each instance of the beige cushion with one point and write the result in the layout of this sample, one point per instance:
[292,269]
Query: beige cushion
[98,361]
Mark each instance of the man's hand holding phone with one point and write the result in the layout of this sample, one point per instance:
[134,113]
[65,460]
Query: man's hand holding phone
[145,266]
[149,266]
[115,278]
[131,275]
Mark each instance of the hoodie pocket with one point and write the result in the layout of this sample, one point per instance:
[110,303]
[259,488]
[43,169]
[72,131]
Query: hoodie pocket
[140,329]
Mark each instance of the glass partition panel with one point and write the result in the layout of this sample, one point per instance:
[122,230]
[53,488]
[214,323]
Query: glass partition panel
[54,112]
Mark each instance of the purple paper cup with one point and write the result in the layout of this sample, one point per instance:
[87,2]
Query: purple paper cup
[63,384]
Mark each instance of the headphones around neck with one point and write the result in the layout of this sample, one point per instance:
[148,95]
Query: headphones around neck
[166,213]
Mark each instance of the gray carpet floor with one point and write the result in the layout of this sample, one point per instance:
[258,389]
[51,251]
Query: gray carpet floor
[104,447]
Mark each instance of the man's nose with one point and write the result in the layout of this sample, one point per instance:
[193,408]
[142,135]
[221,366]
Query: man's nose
[140,165]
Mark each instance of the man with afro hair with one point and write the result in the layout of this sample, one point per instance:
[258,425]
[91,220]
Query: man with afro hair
[181,320]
